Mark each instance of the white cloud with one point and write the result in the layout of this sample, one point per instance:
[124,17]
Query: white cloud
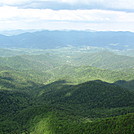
[115,4]
[13,17]
[17,2]
[126,4]
[9,12]
[12,2]
[118,4]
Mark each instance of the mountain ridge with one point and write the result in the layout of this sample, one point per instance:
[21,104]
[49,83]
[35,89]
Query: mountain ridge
[54,39]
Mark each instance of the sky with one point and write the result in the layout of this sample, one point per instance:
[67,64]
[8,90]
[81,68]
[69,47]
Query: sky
[96,15]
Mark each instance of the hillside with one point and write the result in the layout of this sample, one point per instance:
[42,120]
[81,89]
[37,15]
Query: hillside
[86,96]
[104,59]
[77,90]
[58,122]
[27,62]
[126,84]
[47,59]
[76,108]
[76,67]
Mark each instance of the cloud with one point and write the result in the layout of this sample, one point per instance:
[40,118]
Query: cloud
[93,15]
[71,4]
[12,2]
[16,18]
[126,4]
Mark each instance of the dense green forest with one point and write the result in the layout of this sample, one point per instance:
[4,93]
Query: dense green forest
[66,91]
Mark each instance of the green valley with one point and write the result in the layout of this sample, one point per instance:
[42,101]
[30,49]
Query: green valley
[66,91]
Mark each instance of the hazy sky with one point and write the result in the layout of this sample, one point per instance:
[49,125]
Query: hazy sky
[100,15]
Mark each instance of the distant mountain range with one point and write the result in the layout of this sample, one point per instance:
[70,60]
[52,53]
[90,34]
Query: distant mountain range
[55,39]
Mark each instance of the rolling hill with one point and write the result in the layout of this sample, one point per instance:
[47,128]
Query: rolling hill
[87,107]
[66,91]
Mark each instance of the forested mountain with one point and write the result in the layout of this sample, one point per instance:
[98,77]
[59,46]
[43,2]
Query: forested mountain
[93,94]
[74,68]
[66,90]
[102,59]
[58,106]
[126,84]
[54,39]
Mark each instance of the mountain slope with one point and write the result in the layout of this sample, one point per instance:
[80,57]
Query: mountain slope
[93,94]
[45,94]
[44,120]
[104,59]
[58,106]
[126,84]
[29,62]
